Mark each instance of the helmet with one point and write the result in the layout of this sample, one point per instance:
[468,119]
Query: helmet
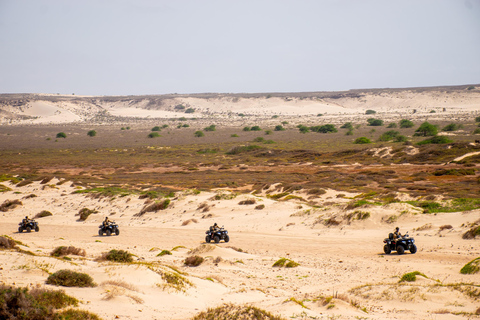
[397,228]
[215,224]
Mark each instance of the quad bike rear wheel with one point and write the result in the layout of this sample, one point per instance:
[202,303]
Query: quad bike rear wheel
[386,249]
[216,239]
[400,249]
[20,229]
[207,239]
[108,232]
[100,232]
[227,238]
[413,249]
[29,229]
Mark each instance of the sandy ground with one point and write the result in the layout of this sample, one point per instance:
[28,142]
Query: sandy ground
[345,262]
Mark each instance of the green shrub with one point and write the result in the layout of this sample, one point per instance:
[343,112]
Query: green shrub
[451,127]
[279,128]
[401,138]
[156,128]
[199,134]
[210,128]
[362,140]
[190,110]
[392,125]
[247,129]
[61,135]
[426,129]
[179,107]
[370,112]
[472,267]
[92,133]
[234,135]
[411,276]
[347,125]
[303,129]
[119,256]
[256,128]
[435,140]
[258,139]
[69,278]
[268,132]
[375,122]
[326,128]
[154,135]
[476,131]
[349,133]
[389,135]
[284,262]
[193,261]
[477,119]
[406,123]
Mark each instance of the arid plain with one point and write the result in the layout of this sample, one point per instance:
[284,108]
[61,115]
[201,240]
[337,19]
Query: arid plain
[319,200]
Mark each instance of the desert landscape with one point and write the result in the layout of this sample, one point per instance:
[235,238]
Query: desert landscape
[308,186]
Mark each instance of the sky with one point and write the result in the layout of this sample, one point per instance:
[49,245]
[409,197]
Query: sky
[135,47]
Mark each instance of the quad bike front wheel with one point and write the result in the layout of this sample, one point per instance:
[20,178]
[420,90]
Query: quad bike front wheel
[216,239]
[29,229]
[386,249]
[20,229]
[37,229]
[100,232]
[400,250]
[227,238]
[413,249]
[207,239]
[108,232]
[117,231]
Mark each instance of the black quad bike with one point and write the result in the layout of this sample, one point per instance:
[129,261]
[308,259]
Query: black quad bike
[400,245]
[28,226]
[108,229]
[220,234]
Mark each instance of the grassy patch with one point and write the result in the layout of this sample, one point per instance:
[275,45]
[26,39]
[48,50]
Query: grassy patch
[455,205]
[284,262]
[472,267]
[69,278]
[193,261]
[411,276]
[175,281]
[65,251]
[118,256]
[108,192]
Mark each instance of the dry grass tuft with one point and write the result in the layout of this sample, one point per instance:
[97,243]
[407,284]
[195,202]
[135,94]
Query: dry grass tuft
[203,248]
[260,207]
[154,207]
[193,261]
[119,288]
[10,204]
[472,233]
[84,213]
[446,227]
[7,243]
[42,214]
[284,262]
[248,201]
[205,207]
[65,251]
[187,222]
[427,226]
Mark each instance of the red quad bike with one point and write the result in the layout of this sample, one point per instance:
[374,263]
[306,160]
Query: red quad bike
[400,245]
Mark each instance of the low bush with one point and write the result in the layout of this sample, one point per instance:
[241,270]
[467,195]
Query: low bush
[435,140]
[92,133]
[154,135]
[154,207]
[118,256]
[451,127]
[389,135]
[284,262]
[472,233]
[362,140]
[43,213]
[472,267]
[193,261]
[406,123]
[231,312]
[260,207]
[210,128]
[36,304]
[61,135]
[248,201]
[326,128]
[375,122]
[65,251]
[279,128]
[347,125]
[69,278]
[256,128]
[156,128]
[199,134]
[242,149]
[369,111]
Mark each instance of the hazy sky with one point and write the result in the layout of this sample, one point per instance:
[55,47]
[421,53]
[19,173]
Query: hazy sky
[123,47]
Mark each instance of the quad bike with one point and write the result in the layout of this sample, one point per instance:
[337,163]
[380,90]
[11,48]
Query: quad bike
[108,229]
[400,245]
[220,234]
[28,226]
